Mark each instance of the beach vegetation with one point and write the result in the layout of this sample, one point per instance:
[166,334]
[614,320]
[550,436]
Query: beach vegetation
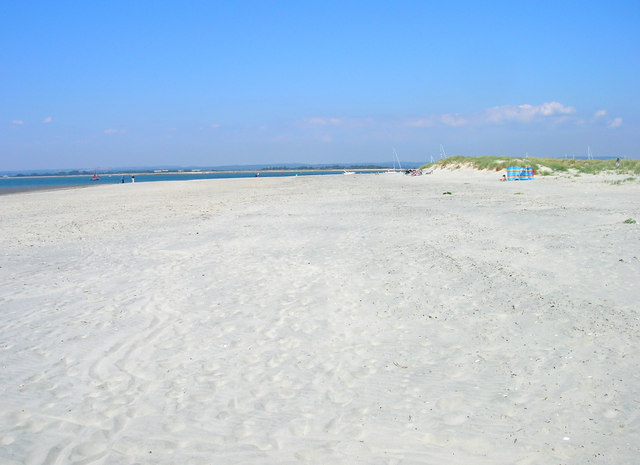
[622,181]
[541,166]
[630,221]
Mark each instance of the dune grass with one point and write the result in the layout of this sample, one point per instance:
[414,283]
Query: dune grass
[622,181]
[541,166]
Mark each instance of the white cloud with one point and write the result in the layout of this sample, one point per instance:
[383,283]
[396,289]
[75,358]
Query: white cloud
[17,122]
[47,120]
[421,123]
[114,131]
[215,126]
[526,113]
[598,117]
[616,123]
[552,108]
[453,120]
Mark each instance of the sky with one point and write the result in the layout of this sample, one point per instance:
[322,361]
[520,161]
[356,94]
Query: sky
[101,84]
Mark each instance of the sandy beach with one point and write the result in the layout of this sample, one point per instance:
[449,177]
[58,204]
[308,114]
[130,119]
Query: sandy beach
[366,319]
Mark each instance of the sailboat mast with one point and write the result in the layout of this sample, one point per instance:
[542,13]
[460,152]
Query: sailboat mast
[394,161]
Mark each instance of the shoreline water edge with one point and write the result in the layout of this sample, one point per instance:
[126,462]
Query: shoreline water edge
[14,184]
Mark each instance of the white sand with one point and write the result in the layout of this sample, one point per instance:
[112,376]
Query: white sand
[364,319]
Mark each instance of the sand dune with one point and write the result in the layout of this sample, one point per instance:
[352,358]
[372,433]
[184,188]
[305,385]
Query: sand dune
[322,319]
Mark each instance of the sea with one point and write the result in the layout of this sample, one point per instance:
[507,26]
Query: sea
[13,184]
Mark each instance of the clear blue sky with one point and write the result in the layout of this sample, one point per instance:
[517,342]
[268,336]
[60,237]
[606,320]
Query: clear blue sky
[142,83]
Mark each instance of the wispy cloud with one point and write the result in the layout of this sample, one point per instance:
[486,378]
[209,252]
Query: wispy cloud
[526,113]
[322,121]
[523,114]
[616,123]
[599,118]
[336,122]
[17,122]
[115,131]
[47,120]
[421,123]
[215,126]
[453,120]
[600,114]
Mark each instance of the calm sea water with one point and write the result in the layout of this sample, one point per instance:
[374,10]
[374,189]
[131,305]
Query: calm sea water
[21,184]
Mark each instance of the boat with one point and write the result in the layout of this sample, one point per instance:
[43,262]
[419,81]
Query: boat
[95,177]
[394,170]
[349,172]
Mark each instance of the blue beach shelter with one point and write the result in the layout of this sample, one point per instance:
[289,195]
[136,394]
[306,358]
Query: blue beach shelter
[519,173]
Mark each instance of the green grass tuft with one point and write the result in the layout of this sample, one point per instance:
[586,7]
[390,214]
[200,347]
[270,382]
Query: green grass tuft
[622,181]
[630,221]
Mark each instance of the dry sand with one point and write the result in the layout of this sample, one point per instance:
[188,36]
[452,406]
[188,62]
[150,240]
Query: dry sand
[365,319]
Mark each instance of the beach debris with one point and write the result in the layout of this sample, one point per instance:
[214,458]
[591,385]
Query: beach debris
[446,193]
[400,366]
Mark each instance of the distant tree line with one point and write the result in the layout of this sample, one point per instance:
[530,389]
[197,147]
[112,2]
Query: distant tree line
[324,168]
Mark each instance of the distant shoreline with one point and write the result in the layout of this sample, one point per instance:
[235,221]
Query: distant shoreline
[83,180]
[187,173]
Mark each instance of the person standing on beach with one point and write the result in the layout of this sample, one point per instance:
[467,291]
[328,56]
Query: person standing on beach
[617,163]
[133,178]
